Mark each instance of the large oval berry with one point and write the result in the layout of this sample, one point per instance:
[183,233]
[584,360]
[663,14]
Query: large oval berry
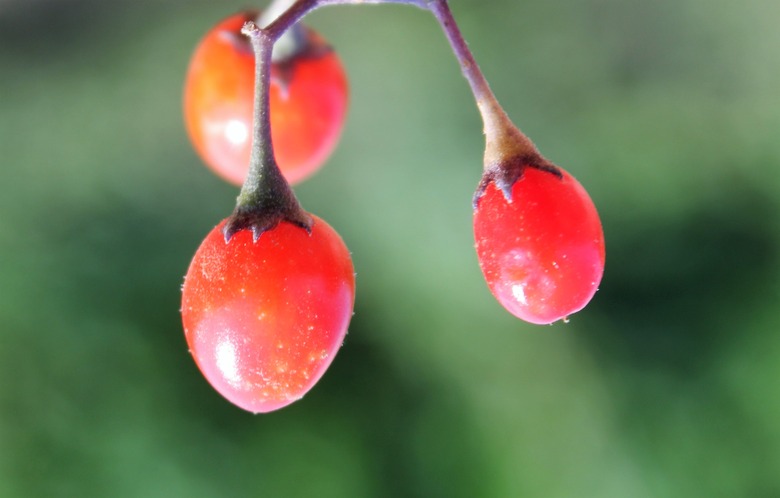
[308,101]
[263,320]
[542,254]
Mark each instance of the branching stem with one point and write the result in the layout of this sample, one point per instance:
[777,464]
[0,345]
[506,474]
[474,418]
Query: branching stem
[265,189]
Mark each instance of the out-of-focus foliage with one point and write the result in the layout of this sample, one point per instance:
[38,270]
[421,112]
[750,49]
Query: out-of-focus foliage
[666,385]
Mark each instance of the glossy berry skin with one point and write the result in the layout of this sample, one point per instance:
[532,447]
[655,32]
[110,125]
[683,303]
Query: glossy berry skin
[308,101]
[264,320]
[542,255]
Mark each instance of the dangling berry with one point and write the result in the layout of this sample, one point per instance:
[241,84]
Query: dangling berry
[264,320]
[539,241]
[538,236]
[308,99]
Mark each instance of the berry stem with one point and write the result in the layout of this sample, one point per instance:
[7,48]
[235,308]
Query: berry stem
[503,138]
[265,198]
[508,151]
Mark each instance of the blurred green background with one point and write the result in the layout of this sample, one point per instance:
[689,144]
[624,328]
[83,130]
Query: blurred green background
[666,385]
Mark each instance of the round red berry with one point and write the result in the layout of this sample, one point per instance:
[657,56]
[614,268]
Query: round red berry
[264,319]
[542,254]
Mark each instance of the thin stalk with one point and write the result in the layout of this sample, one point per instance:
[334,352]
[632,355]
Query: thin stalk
[262,149]
[502,137]
[265,198]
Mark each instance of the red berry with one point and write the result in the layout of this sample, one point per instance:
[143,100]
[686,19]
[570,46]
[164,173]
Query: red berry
[308,99]
[264,320]
[542,254]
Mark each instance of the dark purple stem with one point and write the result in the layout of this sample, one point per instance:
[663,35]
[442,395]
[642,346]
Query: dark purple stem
[508,151]
[492,113]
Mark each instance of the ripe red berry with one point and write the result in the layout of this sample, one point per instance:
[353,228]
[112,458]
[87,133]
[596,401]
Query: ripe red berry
[542,254]
[308,100]
[263,320]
